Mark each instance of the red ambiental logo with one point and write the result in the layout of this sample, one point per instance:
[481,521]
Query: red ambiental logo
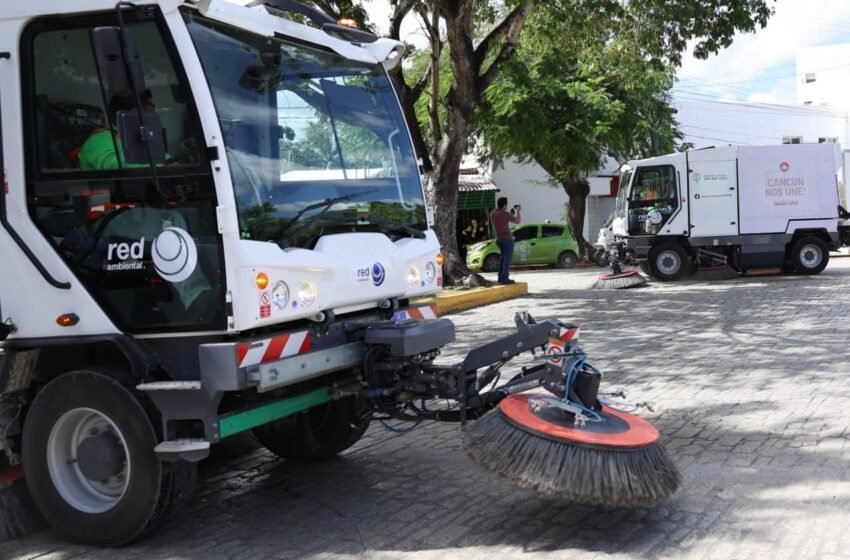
[784,167]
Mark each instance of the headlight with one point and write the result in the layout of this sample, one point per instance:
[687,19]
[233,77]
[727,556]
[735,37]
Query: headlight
[307,293]
[413,277]
[430,272]
[280,294]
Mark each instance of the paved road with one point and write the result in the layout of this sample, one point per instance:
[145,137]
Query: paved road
[748,381]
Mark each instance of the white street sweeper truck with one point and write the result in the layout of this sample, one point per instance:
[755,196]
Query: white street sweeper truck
[213,223]
[734,207]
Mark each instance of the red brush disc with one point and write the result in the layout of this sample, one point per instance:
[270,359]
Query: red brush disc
[624,274]
[617,429]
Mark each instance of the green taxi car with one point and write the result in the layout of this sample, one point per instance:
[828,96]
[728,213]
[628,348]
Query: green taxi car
[533,244]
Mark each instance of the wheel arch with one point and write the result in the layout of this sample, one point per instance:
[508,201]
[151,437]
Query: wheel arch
[56,356]
[806,232]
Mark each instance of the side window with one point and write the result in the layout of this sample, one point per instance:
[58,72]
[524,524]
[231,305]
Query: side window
[148,252]
[75,116]
[654,184]
[526,233]
[553,231]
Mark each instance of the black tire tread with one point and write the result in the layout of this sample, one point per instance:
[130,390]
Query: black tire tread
[298,439]
[176,479]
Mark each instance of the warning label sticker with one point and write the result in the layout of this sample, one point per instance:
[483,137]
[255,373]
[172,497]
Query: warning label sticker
[265,305]
[556,347]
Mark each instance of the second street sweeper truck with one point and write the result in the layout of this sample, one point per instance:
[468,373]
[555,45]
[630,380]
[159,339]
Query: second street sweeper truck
[741,207]
[213,223]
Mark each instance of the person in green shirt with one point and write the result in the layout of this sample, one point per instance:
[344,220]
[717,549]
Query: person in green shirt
[102,149]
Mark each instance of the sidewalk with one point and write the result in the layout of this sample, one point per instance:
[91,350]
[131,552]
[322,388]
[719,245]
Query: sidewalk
[455,300]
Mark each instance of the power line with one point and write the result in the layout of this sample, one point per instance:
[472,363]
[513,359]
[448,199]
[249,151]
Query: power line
[727,131]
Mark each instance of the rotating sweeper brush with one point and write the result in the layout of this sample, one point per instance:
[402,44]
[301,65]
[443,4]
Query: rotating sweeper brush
[566,443]
[620,276]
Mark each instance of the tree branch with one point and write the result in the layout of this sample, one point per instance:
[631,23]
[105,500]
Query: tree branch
[401,10]
[326,7]
[419,87]
[507,32]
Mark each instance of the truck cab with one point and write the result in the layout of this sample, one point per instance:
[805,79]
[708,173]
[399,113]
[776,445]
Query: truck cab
[207,205]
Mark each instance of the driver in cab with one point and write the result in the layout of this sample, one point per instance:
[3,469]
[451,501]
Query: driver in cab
[102,149]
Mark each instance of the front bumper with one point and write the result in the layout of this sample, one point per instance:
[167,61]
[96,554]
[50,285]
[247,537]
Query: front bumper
[271,363]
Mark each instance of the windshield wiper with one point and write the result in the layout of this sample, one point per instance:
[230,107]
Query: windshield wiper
[325,205]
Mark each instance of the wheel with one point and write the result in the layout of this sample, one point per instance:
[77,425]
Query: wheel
[809,255]
[316,434]
[601,257]
[668,261]
[567,259]
[89,461]
[491,263]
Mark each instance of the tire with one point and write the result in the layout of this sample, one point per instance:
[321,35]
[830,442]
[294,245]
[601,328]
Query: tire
[567,259]
[601,257]
[668,261]
[142,490]
[809,255]
[491,263]
[317,434]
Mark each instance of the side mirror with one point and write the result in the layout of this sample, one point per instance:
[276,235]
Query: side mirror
[135,135]
[118,62]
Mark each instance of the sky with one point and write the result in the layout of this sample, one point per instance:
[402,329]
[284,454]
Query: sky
[758,67]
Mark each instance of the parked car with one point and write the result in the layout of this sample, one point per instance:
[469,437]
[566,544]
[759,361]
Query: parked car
[533,244]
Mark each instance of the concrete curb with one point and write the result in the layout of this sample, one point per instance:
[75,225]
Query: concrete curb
[455,301]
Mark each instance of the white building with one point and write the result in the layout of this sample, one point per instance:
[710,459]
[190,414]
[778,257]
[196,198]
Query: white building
[541,199]
[823,75]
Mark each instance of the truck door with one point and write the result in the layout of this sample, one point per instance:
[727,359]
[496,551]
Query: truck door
[714,198]
[148,251]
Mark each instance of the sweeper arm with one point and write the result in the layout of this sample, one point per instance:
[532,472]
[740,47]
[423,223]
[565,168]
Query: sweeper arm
[396,379]
[560,442]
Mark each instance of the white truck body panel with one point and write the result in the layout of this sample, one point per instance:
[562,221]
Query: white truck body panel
[713,192]
[784,184]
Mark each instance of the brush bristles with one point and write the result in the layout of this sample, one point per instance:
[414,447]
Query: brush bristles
[587,475]
[633,281]
[18,514]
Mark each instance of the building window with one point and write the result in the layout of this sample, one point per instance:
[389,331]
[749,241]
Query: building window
[810,78]
[828,140]
[792,139]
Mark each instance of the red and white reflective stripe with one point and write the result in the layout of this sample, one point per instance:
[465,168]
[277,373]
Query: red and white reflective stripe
[272,349]
[421,313]
[568,334]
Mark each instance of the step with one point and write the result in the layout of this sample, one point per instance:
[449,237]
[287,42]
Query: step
[170,386]
[188,449]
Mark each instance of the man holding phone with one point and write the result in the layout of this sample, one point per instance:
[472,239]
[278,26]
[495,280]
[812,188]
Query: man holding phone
[501,220]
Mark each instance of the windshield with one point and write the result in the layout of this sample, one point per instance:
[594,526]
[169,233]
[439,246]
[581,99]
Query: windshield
[623,193]
[316,143]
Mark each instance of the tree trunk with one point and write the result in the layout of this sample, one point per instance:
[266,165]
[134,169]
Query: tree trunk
[442,195]
[578,190]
